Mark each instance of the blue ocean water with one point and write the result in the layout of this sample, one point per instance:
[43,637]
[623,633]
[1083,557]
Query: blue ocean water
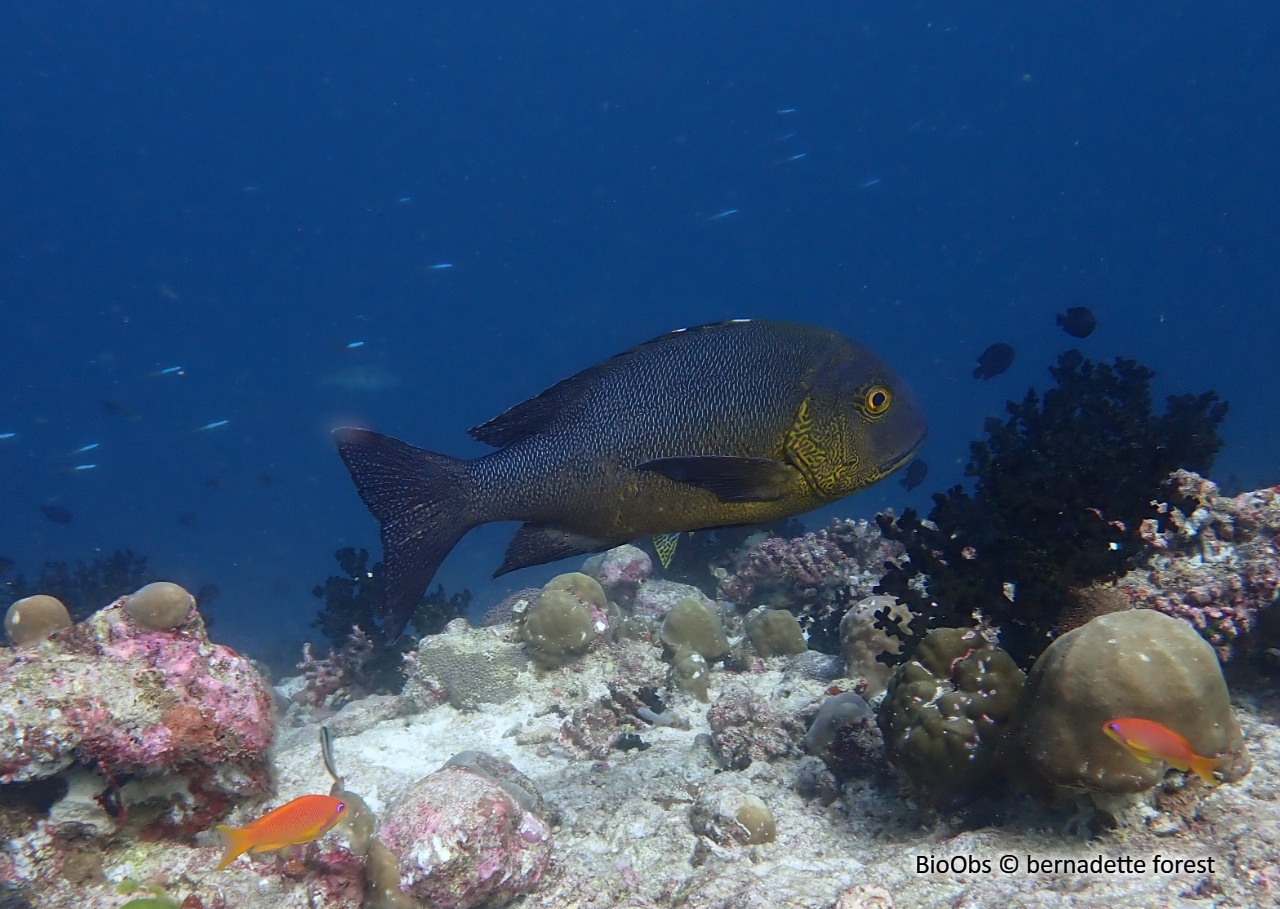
[243,212]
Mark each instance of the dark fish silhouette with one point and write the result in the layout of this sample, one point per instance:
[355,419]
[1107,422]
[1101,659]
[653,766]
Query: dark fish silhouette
[914,475]
[732,423]
[6,565]
[56,513]
[993,361]
[1077,321]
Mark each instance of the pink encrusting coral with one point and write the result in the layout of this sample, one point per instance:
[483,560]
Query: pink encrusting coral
[464,837]
[817,576]
[1214,561]
[186,722]
[620,571]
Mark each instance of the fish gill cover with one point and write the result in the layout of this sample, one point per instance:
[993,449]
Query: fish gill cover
[1061,487]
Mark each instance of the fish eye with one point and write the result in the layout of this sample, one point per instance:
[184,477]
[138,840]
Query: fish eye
[877,400]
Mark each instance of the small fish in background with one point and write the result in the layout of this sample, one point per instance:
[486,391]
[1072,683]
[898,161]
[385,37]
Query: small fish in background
[57,514]
[1078,321]
[85,449]
[216,424]
[440,266]
[167,371]
[723,214]
[993,361]
[1150,741]
[914,475]
[296,823]
[8,435]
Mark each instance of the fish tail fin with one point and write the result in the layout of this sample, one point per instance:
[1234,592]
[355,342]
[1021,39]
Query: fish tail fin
[1203,767]
[421,502]
[236,841]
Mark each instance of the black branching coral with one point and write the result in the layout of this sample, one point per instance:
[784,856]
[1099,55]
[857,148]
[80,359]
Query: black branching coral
[354,599]
[1061,486]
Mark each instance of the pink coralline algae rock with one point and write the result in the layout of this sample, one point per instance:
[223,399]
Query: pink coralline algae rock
[620,571]
[1215,562]
[745,728]
[470,834]
[817,576]
[656,597]
[166,710]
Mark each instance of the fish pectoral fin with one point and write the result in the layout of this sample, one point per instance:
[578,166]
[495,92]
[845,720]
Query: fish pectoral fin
[729,479]
[537,544]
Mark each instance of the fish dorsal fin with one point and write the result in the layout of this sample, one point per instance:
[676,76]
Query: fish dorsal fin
[537,413]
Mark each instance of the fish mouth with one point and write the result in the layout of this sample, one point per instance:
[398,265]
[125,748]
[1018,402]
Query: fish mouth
[889,466]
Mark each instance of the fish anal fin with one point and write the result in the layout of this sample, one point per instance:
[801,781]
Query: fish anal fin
[730,479]
[665,545]
[537,544]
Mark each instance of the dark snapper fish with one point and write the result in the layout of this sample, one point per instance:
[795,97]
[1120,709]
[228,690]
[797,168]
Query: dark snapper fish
[739,422]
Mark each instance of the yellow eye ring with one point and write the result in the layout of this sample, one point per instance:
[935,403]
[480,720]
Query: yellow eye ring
[877,400]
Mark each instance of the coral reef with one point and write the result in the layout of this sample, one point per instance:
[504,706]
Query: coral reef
[466,667]
[817,576]
[730,817]
[691,673]
[844,735]
[88,585]
[1138,663]
[1214,561]
[355,599]
[159,606]
[567,618]
[334,681]
[863,640]
[655,597]
[154,731]
[946,710]
[774,632]
[620,571]
[34,618]
[703,558]
[1062,486]
[692,625]
[745,729]
[461,838]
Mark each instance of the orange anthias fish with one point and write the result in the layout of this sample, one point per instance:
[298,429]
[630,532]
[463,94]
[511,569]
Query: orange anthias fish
[1148,740]
[306,818]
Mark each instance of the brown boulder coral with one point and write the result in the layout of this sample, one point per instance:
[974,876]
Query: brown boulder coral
[1140,664]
